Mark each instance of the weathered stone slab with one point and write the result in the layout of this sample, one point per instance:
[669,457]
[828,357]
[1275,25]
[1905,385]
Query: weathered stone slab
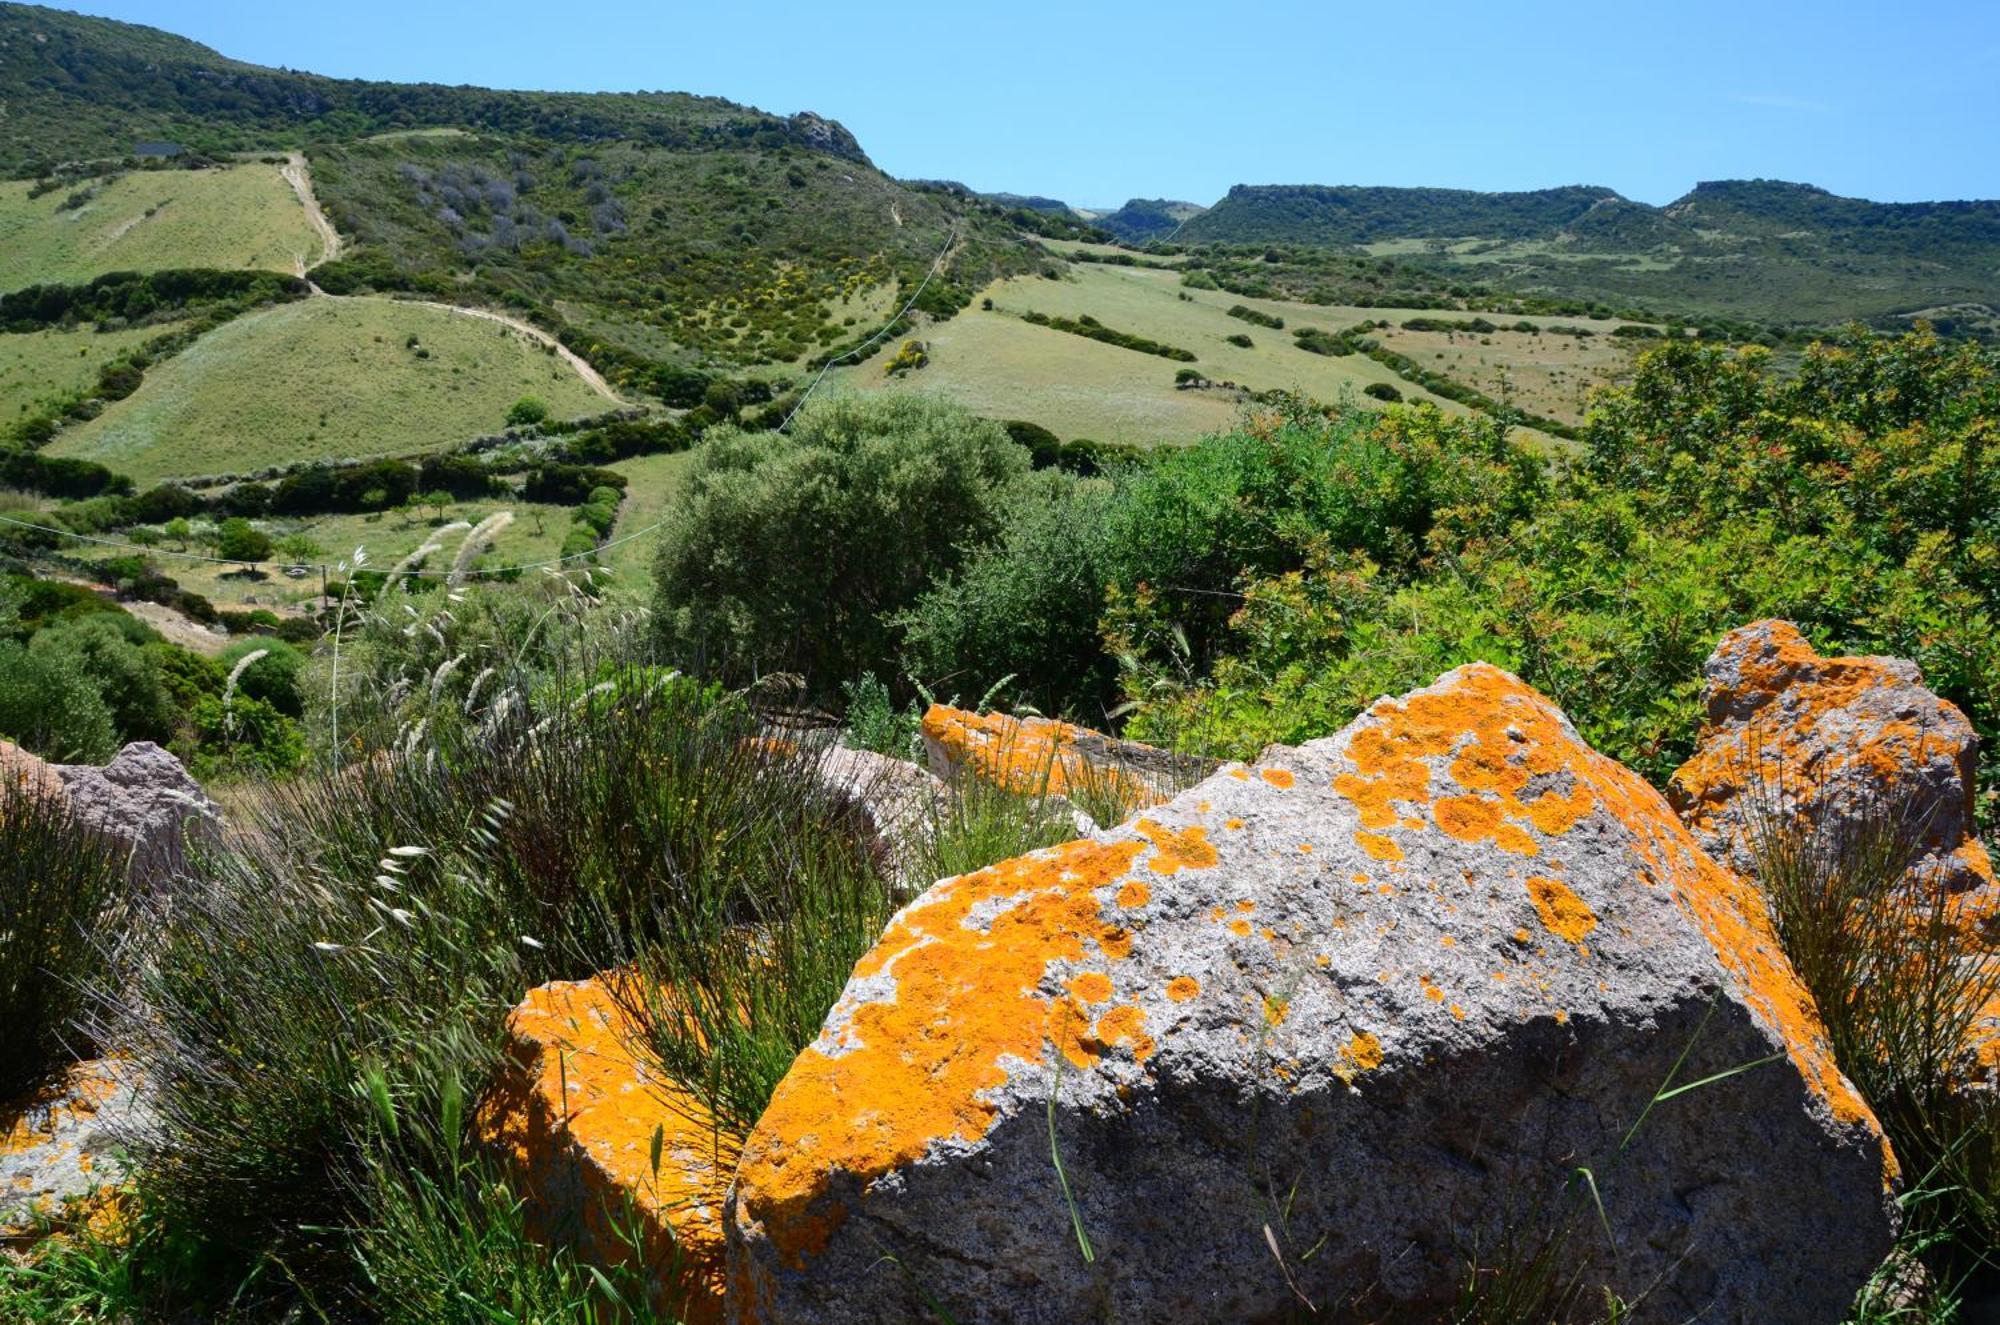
[1310,1032]
[1042,756]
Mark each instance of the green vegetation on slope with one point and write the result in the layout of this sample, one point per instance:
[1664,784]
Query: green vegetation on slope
[39,368]
[1350,214]
[325,378]
[149,220]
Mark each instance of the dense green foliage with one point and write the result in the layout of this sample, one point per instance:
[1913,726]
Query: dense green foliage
[788,551]
[1089,327]
[1351,214]
[1143,220]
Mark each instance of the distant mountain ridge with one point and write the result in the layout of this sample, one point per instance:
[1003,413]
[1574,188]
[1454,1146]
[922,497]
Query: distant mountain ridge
[1143,220]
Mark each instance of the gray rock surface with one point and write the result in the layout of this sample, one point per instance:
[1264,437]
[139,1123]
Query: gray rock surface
[27,772]
[144,799]
[899,802]
[66,1143]
[1325,1030]
[1788,731]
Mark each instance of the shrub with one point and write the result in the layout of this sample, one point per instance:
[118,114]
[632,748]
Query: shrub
[49,704]
[1381,391]
[59,883]
[527,412]
[107,648]
[792,551]
[276,678]
[1240,340]
[236,539]
[1251,315]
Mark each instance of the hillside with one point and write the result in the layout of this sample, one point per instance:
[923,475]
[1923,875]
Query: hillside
[1312,214]
[1143,220]
[1757,249]
[81,87]
[151,220]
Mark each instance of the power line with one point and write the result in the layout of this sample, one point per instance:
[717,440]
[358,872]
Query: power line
[951,237]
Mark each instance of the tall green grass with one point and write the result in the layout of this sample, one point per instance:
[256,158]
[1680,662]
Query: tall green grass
[1899,985]
[60,885]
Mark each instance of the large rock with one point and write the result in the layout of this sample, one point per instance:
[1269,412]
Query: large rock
[1043,756]
[144,800]
[1316,1030]
[60,1149]
[1793,739]
[1832,741]
[579,1116]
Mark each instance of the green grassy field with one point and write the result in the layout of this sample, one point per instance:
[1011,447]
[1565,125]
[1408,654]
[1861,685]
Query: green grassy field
[148,220]
[998,365]
[655,481]
[38,366]
[325,378]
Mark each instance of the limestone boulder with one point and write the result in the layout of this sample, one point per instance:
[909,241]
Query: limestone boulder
[1043,756]
[1325,1030]
[1789,732]
[145,800]
[604,1148]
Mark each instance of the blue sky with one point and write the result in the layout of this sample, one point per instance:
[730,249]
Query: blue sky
[1094,103]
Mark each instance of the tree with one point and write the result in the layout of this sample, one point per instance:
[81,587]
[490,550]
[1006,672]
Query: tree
[791,551]
[299,548]
[179,530]
[236,539]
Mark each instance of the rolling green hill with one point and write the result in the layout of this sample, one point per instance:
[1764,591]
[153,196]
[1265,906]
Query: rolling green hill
[325,378]
[1313,214]
[152,220]
[1143,220]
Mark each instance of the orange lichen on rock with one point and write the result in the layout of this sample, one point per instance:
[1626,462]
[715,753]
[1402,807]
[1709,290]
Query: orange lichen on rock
[1177,849]
[1493,737]
[1361,1053]
[1091,987]
[1280,778]
[577,1113]
[1378,846]
[912,1068]
[1500,736]
[1563,913]
[1182,988]
[1037,756]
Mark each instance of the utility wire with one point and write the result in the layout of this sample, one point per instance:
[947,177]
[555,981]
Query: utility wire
[950,238]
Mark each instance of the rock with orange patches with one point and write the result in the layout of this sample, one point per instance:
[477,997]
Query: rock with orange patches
[25,773]
[1041,756]
[1789,732]
[61,1148]
[1403,1097]
[577,1114]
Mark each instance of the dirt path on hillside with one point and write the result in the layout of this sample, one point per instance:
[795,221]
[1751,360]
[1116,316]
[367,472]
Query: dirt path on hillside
[582,366]
[297,175]
[174,626]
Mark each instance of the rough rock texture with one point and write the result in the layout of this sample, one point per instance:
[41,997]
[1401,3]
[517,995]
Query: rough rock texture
[1044,756]
[1789,731]
[22,771]
[1824,738]
[145,800]
[577,1113]
[895,798]
[57,1148]
[1362,1007]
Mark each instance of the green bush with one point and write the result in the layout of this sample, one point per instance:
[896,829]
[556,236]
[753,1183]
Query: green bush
[793,551]
[277,678]
[1381,391]
[236,539]
[50,704]
[527,411]
[59,883]
[108,649]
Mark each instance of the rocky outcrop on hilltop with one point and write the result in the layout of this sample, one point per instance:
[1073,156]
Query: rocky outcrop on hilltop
[1307,1032]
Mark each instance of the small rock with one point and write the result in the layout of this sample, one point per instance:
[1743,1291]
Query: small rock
[577,1112]
[1310,1032]
[145,800]
[897,800]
